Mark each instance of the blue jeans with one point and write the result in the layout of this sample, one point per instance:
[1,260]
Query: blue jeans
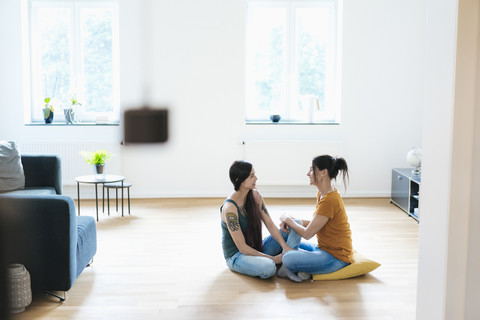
[311,259]
[262,267]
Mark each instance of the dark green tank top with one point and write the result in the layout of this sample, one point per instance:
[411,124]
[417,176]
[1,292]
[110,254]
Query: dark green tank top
[229,247]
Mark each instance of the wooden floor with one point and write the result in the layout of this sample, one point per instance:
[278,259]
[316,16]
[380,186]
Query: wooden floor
[165,262]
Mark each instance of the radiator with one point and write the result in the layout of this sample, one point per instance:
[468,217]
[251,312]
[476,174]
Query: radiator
[73,164]
[286,162]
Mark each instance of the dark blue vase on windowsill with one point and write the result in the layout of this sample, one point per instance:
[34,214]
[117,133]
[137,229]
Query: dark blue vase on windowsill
[275,117]
[48,115]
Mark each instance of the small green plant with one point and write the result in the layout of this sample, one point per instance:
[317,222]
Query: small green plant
[98,157]
[48,107]
[74,101]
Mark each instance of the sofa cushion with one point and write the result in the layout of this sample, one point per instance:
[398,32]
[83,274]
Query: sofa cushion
[11,169]
[31,191]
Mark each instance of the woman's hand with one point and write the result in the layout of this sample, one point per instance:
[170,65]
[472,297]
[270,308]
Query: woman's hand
[278,258]
[285,223]
[286,249]
[284,227]
[286,219]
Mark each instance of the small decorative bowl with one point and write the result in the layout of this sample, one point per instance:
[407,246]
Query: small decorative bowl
[275,117]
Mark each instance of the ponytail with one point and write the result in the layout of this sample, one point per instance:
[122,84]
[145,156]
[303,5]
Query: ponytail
[334,166]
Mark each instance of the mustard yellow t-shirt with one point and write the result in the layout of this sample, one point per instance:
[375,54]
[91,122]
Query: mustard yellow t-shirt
[335,237]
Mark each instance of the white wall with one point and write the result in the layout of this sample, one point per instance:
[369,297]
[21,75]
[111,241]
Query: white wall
[473,265]
[439,84]
[448,280]
[188,55]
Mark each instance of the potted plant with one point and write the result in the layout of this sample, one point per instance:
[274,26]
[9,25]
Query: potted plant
[70,112]
[48,109]
[97,159]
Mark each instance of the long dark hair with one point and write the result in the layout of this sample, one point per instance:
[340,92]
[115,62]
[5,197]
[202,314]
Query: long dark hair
[333,165]
[239,172]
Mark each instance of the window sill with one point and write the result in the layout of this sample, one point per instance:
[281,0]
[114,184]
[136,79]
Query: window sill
[285,122]
[64,124]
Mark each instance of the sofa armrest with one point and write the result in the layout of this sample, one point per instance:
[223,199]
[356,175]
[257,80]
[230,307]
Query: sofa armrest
[41,233]
[43,171]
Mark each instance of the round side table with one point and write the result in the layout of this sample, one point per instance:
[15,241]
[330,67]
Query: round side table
[92,179]
[117,185]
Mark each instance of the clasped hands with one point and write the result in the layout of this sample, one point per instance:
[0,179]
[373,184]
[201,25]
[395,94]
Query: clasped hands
[285,221]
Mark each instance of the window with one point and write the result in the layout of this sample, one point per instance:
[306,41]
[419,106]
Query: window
[292,61]
[74,53]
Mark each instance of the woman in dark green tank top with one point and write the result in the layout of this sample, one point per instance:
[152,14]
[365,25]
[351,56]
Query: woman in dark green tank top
[243,213]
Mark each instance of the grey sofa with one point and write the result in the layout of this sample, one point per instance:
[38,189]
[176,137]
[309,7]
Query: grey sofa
[41,230]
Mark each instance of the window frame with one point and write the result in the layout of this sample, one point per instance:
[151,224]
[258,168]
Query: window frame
[289,86]
[34,103]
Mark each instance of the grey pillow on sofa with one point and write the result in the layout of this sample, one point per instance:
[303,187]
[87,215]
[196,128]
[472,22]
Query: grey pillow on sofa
[12,176]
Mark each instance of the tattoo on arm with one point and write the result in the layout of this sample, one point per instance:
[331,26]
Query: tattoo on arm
[264,208]
[232,221]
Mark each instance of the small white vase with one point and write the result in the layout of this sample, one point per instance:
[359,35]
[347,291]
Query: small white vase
[19,288]
[70,116]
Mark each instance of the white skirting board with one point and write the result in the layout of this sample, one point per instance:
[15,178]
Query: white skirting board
[307,191]
[286,163]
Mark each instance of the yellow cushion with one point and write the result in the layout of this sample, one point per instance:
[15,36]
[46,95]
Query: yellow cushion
[358,267]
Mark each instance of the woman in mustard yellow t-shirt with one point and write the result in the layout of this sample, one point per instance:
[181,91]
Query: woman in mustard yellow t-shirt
[333,250]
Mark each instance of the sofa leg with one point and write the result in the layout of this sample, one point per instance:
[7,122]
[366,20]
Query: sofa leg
[62,299]
[89,264]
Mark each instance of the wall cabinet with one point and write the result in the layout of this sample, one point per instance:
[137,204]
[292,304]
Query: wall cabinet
[406,191]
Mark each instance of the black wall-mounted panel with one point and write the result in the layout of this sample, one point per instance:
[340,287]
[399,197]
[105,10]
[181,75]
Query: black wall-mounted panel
[145,126]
